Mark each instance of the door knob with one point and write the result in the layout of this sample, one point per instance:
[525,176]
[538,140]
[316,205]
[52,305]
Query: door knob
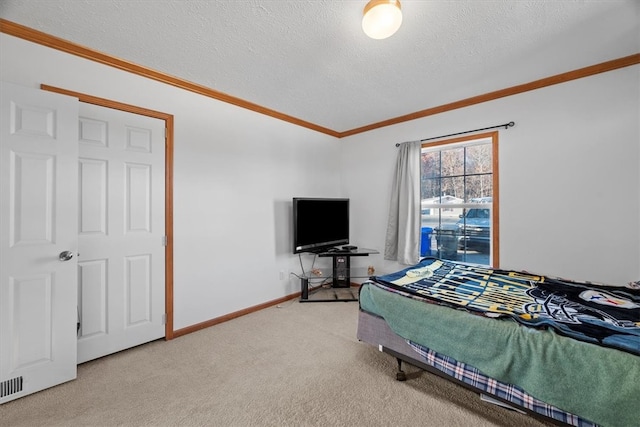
[65,256]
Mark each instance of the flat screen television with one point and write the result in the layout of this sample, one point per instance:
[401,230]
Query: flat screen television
[319,223]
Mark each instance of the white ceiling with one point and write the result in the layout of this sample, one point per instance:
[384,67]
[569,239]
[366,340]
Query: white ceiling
[311,60]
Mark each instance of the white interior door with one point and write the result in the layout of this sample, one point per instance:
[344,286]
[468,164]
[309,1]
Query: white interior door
[38,223]
[121,275]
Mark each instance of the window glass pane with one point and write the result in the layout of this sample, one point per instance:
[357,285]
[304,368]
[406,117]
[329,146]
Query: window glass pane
[479,188]
[474,243]
[478,159]
[452,190]
[430,164]
[436,223]
[456,234]
[430,175]
[453,162]
[431,188]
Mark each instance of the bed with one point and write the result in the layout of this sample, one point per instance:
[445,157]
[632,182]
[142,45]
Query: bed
[527,341]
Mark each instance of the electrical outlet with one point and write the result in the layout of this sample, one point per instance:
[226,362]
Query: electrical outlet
[281,274]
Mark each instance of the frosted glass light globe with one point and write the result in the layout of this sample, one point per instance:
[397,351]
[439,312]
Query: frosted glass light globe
[382,18]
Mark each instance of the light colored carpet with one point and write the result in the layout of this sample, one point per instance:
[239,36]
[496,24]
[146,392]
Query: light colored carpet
[291,365]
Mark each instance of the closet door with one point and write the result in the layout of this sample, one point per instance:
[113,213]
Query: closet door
[121,295]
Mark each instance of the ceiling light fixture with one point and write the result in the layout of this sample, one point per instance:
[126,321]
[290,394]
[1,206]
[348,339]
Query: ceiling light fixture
[382,18]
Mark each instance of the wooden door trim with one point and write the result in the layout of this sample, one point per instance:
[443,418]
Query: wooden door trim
[168,184]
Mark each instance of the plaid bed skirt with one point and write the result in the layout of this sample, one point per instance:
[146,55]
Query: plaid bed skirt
[508,392]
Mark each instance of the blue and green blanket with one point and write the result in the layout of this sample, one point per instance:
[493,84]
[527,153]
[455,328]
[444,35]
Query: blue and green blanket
[599,314]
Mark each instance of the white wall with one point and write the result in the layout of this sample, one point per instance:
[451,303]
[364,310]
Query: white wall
[235,173]
[575,150]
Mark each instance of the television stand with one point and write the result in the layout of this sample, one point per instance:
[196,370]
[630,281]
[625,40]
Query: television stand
[340,275]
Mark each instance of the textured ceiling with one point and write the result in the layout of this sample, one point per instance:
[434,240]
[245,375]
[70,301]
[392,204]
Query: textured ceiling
[311,60]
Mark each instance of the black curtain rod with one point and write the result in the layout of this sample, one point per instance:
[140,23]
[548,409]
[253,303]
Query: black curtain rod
[506,126]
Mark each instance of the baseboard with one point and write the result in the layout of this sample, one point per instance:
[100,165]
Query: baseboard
[203,325]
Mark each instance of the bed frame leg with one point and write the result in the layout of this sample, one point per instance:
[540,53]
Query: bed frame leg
[400,375]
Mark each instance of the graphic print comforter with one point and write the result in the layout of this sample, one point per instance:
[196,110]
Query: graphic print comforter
[605,315]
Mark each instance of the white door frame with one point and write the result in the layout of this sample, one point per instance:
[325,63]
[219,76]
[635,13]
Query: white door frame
[168,210]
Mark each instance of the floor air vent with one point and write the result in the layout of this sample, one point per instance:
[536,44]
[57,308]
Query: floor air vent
[8,387]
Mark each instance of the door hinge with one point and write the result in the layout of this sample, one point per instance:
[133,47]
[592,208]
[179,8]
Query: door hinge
[165,241]
[164,318]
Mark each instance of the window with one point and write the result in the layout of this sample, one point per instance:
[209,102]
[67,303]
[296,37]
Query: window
[459,192]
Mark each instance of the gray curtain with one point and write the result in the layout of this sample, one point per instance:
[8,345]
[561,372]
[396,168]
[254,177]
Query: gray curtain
[403,228]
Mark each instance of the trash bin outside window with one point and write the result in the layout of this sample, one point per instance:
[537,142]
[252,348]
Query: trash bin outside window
[425,241]
[447,238]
